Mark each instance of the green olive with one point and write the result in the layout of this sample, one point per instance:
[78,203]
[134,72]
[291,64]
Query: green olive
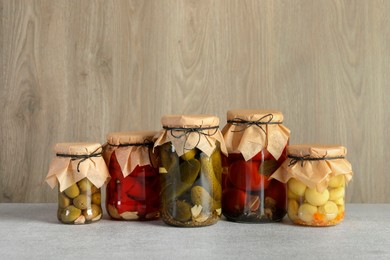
[63,201]
[72,192]
[85,185]
[92,212]
[96,198]
[82,201]
[70,214]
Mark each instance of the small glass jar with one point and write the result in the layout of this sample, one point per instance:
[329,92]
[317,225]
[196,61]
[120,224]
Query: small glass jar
[316,176]
[80,171]
[256,141]
[134,189]
[190,170]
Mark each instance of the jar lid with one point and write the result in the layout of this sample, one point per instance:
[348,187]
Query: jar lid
[131,137]
[254,115]
[189,121]
[82,148]
[316,150]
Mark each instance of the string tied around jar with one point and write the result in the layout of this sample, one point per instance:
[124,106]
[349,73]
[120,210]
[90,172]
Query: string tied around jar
[179,132]
[259,123]
[295,159]
[81,157]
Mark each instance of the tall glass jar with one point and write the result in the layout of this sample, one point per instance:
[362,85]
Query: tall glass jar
[80,171]
[316,176]
[134,189]
[256,142]
[190,169]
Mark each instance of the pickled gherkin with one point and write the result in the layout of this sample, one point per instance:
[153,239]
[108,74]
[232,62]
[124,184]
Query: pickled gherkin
[190,189]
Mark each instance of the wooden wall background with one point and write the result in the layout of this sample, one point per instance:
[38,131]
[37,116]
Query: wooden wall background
[75,70]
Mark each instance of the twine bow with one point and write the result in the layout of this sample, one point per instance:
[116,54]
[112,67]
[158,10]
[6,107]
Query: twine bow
[81,157]
[295,159]
[259,123]
[179,132]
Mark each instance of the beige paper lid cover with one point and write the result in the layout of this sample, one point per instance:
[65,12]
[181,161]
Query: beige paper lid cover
[250,131]
[314,165]
[184,139]
[128,155]
[67,170]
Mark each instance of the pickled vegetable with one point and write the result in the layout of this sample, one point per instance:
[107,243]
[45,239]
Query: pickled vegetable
[249,196]
[191,189]
[134,197]
[80,209]
[316,208]
[73,191]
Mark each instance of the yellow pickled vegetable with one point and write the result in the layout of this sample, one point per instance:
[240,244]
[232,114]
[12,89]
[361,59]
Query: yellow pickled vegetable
[316,198]
[297,187]
[330,210]
[306,212]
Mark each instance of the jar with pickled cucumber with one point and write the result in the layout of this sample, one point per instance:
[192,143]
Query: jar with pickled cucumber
[190,170]
[80,171]
[256,141]
[316,177]
[133,192]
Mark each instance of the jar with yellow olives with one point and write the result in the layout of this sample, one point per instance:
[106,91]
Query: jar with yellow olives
[190,169]
[80,171]
[256,141]
[316,177]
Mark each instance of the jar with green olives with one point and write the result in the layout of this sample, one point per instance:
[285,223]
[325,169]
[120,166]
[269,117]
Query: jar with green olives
[190,169]
[80,171]
[316,177]
[256,141]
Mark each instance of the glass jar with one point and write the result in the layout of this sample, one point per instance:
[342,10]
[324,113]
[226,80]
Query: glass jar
[80,171]
[134,189]
[256,142]
[190,169]
[316,176]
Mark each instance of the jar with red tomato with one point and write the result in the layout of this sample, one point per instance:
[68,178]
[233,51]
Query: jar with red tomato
[256,141]
[134,188]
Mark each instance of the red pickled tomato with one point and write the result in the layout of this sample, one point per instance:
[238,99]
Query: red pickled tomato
[144,171]
[127,204]
[228,184]
[233,201]
[277,191]
[283,156]
[245,176]
[262,155]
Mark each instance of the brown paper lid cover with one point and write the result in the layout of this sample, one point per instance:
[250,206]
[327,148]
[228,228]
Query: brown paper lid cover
[130,156]
[68,170]
[249,131]
[314,165]
[189,121]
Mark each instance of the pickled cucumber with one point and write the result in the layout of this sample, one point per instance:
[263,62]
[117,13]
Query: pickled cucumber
[70,214]
[337,193]
[208,177]
[180,210]
[92,212]
[316,198]
[82,201]
[216,160]
[189,155]
[200,196]
[306,212]
[168,157]
[330,210]
[189,171]
[296,187]
[63,201]
[73,191]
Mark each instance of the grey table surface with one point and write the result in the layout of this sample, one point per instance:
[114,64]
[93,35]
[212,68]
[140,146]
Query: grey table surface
[32,231]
